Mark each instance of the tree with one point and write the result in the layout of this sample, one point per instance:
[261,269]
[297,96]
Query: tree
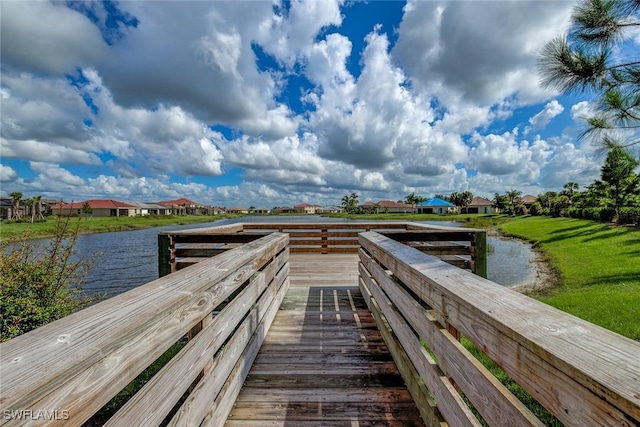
[501,202]
[87,209]
[38,207]
[413,199]
[16,198]
[588,59]
[31,203]
[514,200]
[350,203]
[462,199]
[618,173]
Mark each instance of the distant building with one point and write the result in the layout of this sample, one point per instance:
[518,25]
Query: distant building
[238,210]
[183,206]
[260,211]
[99,208]
[151,208]
[6,208]
[528,200]
[331,209]
[283,209]
[388,206]
[307,209]
[436,205]
[479,205]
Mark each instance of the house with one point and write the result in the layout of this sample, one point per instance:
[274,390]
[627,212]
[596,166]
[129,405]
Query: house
[283,209]
[479,205]
[261,211]
[101,208]
[238,210]
[331,209]
[183,206]
[528,200]
[388,206]
[6,208]
[215,210]
[437,206]
[150,209]
[307,209]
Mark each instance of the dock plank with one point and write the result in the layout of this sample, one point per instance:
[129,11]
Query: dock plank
[324,361]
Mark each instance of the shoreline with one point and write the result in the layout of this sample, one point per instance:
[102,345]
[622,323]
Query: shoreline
[543,278]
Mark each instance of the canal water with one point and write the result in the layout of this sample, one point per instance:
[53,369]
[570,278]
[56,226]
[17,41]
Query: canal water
[127,259]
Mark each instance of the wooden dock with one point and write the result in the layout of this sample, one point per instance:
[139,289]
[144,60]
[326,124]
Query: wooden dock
[324,361]
[342,324]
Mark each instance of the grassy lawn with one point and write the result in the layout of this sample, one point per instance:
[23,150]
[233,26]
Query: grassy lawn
[599,267]
[104,224]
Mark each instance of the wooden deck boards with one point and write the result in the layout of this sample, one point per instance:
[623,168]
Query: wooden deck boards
[323,362]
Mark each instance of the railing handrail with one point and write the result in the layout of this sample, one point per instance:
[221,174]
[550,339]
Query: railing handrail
[178,249]
[78,363]
[580,372]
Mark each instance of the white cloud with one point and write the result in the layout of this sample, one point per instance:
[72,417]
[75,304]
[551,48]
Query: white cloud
[46,152]
[542,119]
[504,155]
[428,115]
[288,33]
[53,173]
[7,173]
[582,110]
[49,38]
[484,50]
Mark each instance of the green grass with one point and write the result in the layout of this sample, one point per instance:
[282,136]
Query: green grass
[89,225]
[472,221]
[599,269]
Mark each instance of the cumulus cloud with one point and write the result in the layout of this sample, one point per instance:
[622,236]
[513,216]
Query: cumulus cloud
[485,51]
[582,110]
[193,90]
[505,155]
[375,120]
[7,173]
[542,119]
[48,38]
[43,109]
[206,66]
[290,31]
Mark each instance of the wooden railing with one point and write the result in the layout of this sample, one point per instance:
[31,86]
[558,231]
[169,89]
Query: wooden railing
[64,372]
[464,248]
[581,373]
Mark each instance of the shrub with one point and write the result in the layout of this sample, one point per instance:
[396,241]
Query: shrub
[629,216]
[536,209]
[41,282]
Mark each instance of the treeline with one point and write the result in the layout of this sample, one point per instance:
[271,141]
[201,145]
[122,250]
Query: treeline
[615,197]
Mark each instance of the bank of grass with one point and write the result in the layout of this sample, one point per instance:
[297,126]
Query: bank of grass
[599,267]
[472,221]
[87,225]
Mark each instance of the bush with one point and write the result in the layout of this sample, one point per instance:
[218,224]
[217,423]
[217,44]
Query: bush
[629,216]
[41,282]
[536,209]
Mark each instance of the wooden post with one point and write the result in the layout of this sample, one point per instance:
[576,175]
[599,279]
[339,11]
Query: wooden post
[164,255]
[479,241]
[324,236]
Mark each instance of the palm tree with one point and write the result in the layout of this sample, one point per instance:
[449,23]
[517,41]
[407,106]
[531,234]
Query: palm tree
[570,189]
[16,198]
[514,200]
[38,200]
[586,60]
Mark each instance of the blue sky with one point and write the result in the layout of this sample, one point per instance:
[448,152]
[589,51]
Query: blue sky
[268,104]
